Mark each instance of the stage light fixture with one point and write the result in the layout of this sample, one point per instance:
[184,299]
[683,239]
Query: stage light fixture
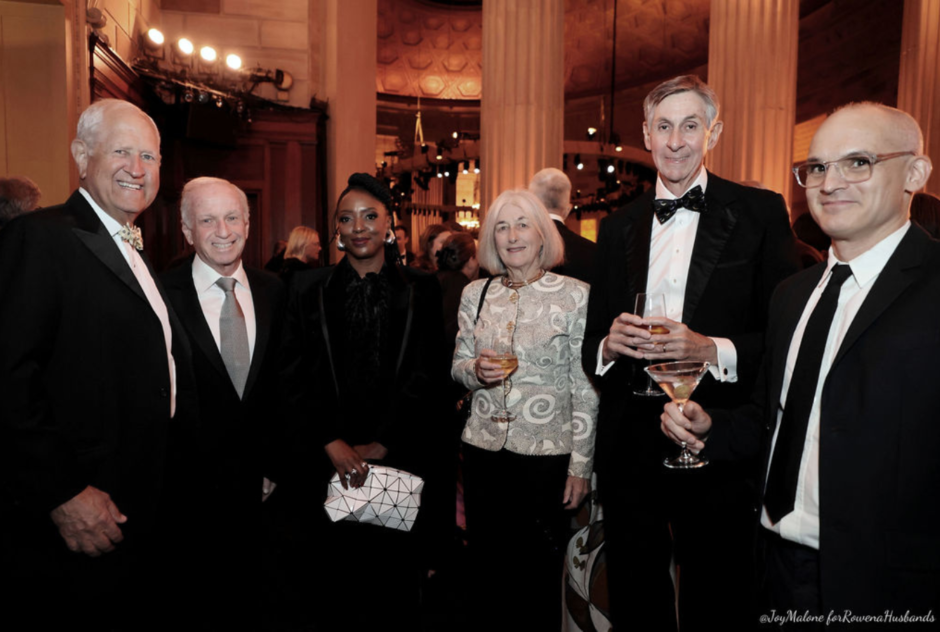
[155,37]
[184,46]
[577,162]
[208,54]
[233,61]
[591,133]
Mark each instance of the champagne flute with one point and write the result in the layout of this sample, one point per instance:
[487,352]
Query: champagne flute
[678,380]
[507,360]
[648,305]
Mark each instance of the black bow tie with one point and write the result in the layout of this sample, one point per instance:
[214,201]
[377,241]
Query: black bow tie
[693,200]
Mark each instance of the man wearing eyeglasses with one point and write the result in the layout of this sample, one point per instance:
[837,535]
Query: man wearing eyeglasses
[845,412]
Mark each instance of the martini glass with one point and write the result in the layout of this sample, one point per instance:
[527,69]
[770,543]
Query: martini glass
[678,380]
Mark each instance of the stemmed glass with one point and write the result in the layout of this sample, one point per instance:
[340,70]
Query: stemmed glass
[649,305]
[507,360]
[678,380]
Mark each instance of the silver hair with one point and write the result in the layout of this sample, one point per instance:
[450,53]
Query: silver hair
[188,201]
[685,83]
[553,187]
[89,124]
[553,248]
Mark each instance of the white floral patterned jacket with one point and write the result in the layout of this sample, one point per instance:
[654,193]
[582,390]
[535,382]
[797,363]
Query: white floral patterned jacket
[554,403]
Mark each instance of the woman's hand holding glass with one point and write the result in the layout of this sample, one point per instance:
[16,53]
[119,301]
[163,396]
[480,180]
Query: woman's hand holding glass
[488,371]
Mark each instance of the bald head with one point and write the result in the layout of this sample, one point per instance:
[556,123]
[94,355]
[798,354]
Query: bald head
[857,213]
[553,188]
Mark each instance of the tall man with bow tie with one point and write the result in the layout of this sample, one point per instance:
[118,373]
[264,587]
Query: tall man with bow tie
[232,315]
[716,250]
[93,372]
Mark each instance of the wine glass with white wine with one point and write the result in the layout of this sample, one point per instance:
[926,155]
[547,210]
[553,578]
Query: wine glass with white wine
[647,306]
[678,380]
[508,362]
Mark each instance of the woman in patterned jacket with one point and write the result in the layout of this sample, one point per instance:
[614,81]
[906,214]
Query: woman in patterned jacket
[522,470]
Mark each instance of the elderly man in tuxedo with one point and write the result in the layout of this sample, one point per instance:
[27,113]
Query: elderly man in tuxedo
[232,315]
[553,187]
[93,372]
[715,250]
[844,418]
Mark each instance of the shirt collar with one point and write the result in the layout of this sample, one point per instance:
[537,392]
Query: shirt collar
[662,193]
[557,218]
[868,265]
[204,277]
[110,224]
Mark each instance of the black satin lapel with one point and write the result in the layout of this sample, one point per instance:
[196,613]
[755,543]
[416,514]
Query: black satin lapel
[714,228]
[899,273]
[792,310]
[102,246]
[405,301]
[325,327]
[262,329]
[636,238]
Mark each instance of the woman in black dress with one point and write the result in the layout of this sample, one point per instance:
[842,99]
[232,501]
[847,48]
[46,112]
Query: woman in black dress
[369,368]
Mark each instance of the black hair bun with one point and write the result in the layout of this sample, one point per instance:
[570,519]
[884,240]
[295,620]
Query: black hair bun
[368,184]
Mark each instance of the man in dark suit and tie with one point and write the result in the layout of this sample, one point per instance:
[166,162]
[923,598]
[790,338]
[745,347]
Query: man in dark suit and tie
[93,372]
[232,316]
[553,187]
[715,250]
[845,413]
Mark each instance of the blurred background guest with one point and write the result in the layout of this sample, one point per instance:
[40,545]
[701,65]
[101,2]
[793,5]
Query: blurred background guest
[302,252]
[457,265]
[553,188]
[432,240]
[277,259]
[523,469]
[403,241]
[18,195]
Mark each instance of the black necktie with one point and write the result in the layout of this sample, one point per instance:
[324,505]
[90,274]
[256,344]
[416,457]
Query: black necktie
[788,451]
[693,200]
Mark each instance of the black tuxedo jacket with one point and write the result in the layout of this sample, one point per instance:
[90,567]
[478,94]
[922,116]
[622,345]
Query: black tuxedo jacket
[579,254]
[84,378]
[879,542]
[743,248]
[228,453]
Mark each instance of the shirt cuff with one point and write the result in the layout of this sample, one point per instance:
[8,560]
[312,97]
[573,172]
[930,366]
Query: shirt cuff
[601,367]
[727,369]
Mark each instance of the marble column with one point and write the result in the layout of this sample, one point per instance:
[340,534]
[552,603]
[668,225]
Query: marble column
[752,54]
[349,47]
[522,109]
[919,78]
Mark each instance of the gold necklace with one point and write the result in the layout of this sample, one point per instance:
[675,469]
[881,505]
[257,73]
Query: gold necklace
[512,285]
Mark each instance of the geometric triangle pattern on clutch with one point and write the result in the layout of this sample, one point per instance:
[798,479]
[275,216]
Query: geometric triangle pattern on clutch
[389,498]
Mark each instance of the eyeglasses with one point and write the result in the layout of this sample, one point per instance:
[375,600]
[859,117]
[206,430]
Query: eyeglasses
[852,169]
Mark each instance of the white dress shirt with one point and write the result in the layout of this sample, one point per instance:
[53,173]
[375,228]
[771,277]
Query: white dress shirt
[147,284]
[802,524]
[671,247]
[211,297]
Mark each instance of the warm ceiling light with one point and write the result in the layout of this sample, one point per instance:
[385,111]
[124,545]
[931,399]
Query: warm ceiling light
[208,54]
[611,168]
[185,46]
[591,132]
[155,36]
[455,135]
[233,61]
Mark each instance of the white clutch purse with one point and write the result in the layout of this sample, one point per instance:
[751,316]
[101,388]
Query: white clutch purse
[389,498]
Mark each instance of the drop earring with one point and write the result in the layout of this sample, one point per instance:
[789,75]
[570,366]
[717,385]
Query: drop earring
[390,237]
